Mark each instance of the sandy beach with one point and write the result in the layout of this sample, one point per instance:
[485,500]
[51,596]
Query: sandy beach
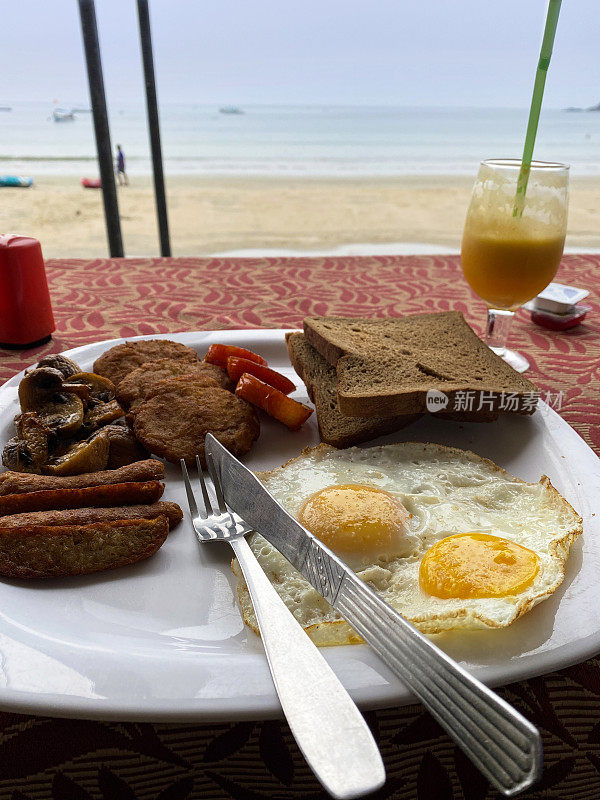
[221,214]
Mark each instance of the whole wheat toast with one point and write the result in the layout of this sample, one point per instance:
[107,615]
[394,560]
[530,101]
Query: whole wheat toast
[321,383]
[385,367]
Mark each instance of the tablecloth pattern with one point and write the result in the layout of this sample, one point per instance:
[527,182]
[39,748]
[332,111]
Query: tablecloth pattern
[43,757]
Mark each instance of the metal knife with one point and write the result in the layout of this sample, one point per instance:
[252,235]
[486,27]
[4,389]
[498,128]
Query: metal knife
[504,746]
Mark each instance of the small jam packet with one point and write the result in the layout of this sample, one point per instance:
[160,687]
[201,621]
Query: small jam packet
[558,298]
[560,322]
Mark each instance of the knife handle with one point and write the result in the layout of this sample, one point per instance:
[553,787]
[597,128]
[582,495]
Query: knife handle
[328,727]
[503,744]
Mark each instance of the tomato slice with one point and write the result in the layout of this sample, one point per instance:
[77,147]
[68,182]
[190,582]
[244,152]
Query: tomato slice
[219,353]
[275,403]
[237,366]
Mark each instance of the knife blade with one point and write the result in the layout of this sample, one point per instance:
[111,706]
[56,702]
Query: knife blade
[501,742]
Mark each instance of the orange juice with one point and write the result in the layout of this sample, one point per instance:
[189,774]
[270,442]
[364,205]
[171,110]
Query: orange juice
[508,266]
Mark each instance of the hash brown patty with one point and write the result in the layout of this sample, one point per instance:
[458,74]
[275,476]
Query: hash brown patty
[174,422]
[140,384]
[122,359]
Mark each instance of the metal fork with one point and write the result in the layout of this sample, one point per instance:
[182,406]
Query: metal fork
[328,727]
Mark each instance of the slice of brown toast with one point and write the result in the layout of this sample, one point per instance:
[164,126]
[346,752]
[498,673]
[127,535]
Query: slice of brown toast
[385,367]
[321,383]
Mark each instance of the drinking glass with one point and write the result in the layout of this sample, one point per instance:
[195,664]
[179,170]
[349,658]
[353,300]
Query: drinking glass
[511,245]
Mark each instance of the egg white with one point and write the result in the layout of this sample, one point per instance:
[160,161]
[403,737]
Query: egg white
[447,491]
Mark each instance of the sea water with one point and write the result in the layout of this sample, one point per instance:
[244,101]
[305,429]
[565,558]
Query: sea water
[332,141]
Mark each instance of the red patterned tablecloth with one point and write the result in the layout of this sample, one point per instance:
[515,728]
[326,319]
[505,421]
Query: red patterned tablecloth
[45,758]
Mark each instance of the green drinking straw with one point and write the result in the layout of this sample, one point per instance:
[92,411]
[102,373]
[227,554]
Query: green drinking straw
[536,104]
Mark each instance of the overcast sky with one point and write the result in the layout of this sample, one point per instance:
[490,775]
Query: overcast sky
[392,52]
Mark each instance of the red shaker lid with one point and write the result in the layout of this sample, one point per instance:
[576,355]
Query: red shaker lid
[12,240]
[16,240]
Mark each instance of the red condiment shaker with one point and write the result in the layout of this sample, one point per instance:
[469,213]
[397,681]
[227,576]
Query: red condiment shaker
[26,318]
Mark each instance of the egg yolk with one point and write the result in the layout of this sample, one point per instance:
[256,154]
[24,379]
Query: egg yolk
[471,565]
[356,520]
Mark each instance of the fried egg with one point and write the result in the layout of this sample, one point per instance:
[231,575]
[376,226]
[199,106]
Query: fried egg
[444,536]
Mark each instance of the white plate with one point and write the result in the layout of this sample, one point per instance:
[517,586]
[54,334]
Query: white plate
[164,640]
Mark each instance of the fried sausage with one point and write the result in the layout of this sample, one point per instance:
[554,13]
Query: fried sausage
[18,482]
[117,494]
[85,516]
[57,551]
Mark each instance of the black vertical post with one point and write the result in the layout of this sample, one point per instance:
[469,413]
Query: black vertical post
[89,29]
[153,127]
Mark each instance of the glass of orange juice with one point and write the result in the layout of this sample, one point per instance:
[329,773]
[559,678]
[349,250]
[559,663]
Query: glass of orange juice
[511,249]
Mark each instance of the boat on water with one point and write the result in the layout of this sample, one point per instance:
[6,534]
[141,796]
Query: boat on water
[62,115]
[5,108]
[16,180]
[91,183]
[82,110]
[230,110]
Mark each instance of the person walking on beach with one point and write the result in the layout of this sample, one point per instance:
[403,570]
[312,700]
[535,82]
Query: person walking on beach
[121,174]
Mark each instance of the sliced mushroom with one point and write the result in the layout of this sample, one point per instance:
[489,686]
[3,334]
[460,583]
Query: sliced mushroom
[124,447]
[90,455]
[42,391]
[15,456]
[66,366]
[64,414]
[38,386]
[29,449]
[101,414]
[80,389]
[36,434]
[102,408]
[99,388]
